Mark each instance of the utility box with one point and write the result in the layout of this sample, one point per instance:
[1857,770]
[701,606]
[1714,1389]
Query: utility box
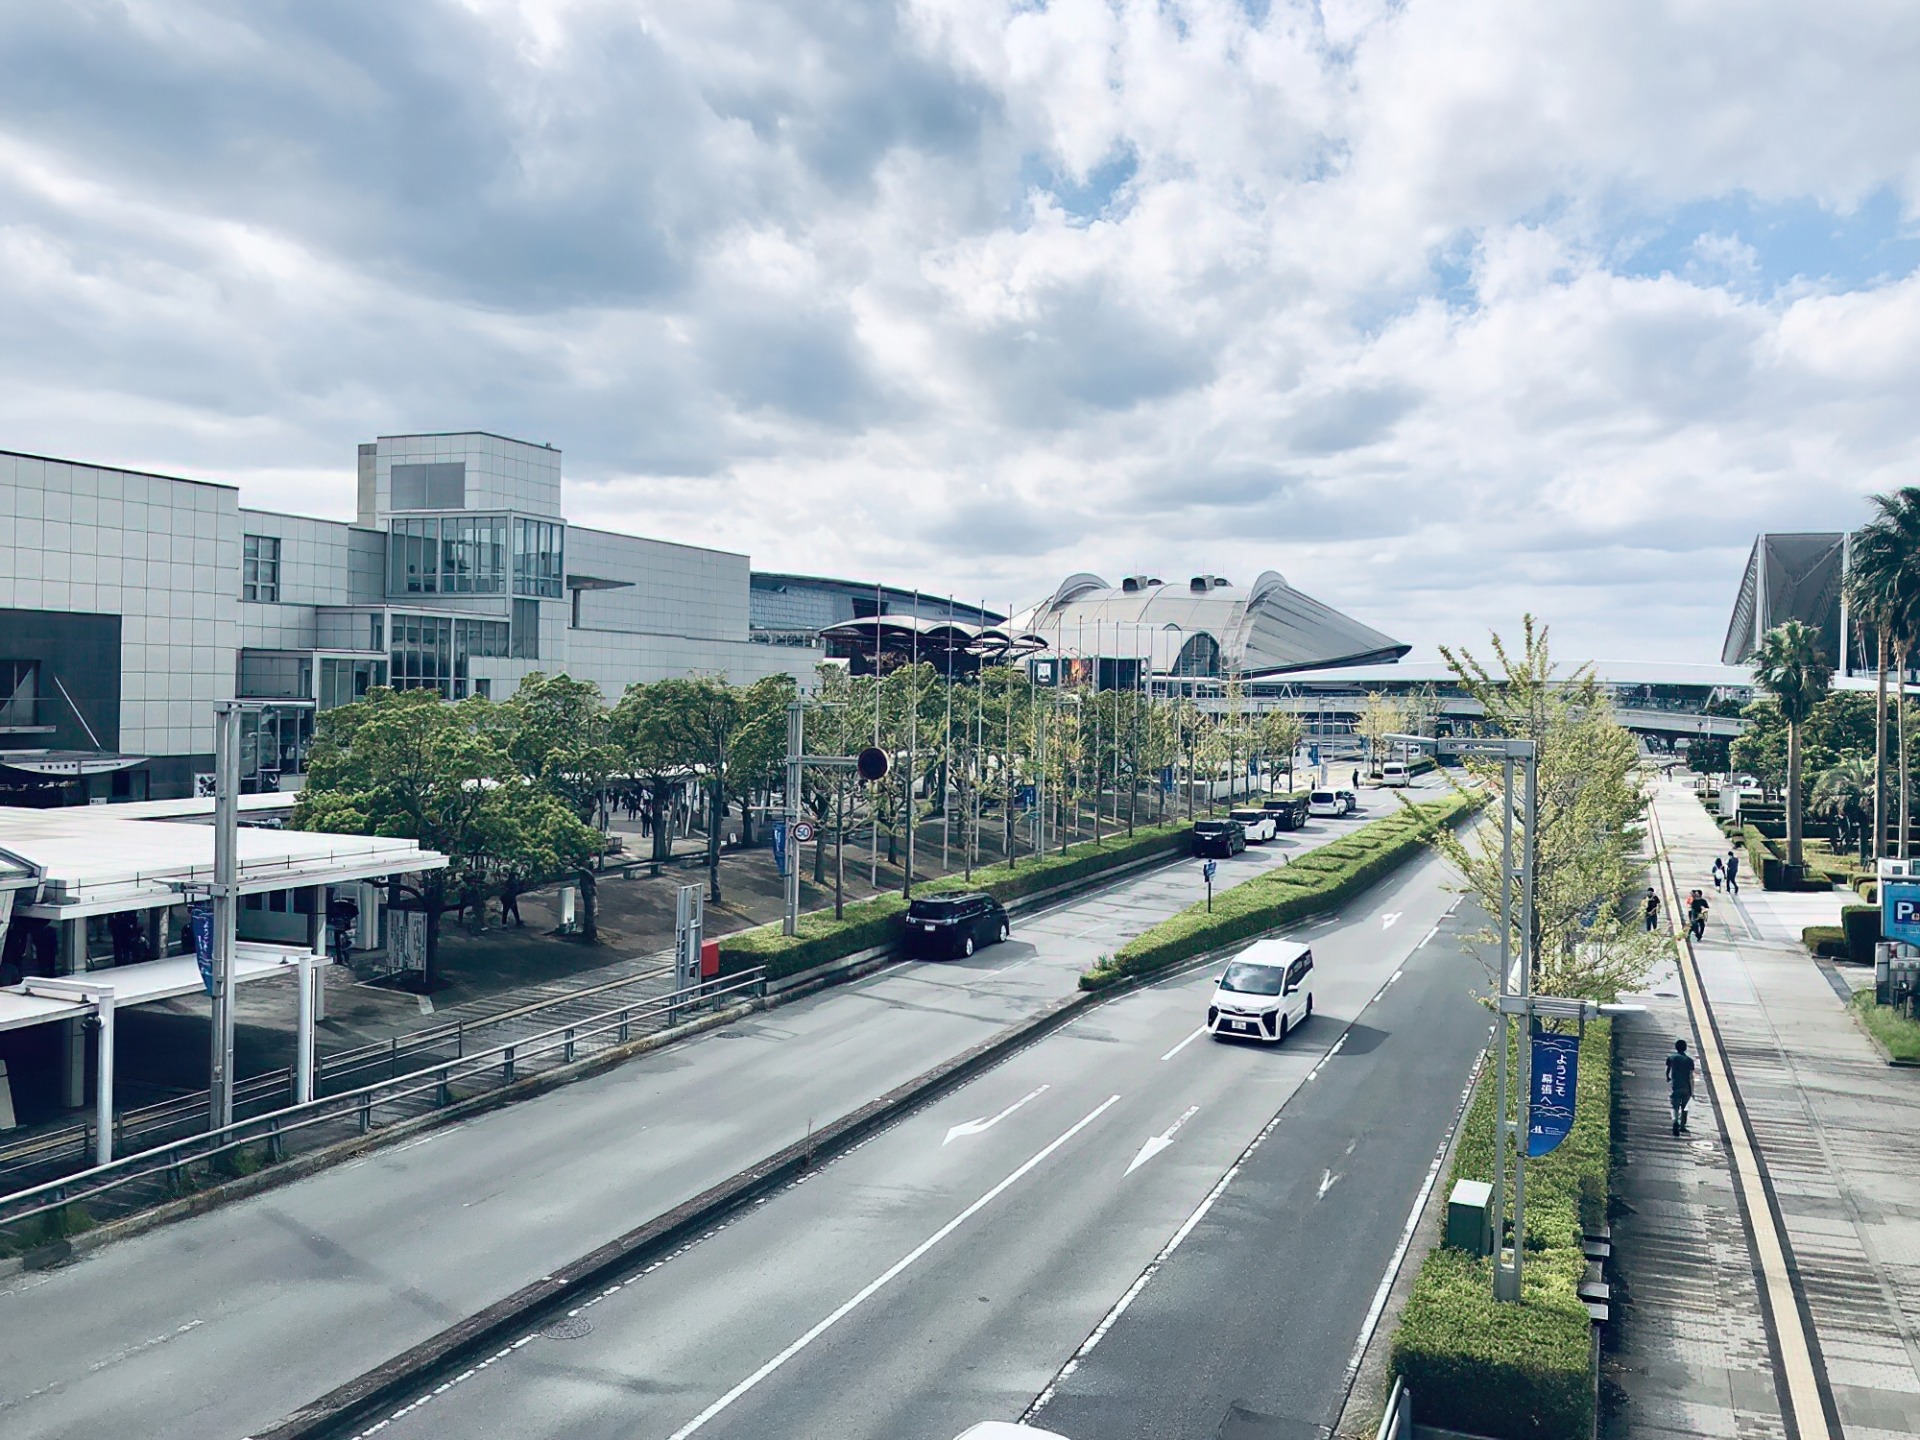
[1470,1217]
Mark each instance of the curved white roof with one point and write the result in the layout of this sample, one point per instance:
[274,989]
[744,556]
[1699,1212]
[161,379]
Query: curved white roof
[1269,628]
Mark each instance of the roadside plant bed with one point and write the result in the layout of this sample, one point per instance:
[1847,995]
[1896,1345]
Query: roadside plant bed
[868,923]
[1900,1035]
[1316,881]
[1828,941]
[1517,1372]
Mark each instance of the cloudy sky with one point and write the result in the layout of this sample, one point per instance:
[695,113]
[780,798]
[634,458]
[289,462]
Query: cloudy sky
[1446,309]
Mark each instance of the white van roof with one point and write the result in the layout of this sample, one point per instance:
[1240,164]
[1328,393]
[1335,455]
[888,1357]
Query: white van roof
[1271,952]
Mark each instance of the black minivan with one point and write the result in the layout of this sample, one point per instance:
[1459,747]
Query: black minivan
[1222,838]
[941,927]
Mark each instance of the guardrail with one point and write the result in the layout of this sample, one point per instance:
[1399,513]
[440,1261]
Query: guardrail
[44,1212]
[71,1147]
[1397,1423]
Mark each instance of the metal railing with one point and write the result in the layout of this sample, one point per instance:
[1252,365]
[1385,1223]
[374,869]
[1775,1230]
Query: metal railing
[71,1147]
[178,1168]
[1397,1423]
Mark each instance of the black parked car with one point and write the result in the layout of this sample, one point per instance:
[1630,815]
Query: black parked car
[1289,812]
[1218,837]
[943,926]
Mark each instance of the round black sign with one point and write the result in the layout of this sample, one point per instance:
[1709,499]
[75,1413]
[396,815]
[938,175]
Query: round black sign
[872,763]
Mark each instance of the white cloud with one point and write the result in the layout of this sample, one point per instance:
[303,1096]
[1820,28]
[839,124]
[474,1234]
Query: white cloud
[977,292]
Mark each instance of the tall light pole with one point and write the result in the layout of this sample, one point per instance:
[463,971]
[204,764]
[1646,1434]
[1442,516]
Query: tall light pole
[225,898]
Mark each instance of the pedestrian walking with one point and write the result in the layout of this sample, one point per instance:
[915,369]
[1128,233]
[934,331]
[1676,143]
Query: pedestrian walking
[1719,871]
[1697,915]
[1651,909]
[1733,872]
[1680,1084]
[510,906]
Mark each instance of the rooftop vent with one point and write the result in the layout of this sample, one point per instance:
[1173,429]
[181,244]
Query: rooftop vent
[1133,584]
[1200,584]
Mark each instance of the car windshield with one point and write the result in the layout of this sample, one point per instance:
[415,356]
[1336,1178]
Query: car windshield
[1322,797]
[1246,978]
[1249,814]
[1210,827]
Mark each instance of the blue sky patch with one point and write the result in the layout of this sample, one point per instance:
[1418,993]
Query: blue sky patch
[1759,246]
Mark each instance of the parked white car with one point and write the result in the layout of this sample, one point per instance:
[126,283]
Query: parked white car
[1325,805]
[1265,992]
[1004,1430]
[1394,773]
[1259,824]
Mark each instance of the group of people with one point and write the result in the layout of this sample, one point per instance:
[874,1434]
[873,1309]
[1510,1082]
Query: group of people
[1696,912]
[1726,871]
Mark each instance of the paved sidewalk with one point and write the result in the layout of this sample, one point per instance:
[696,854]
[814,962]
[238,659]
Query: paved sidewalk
[1834,1125]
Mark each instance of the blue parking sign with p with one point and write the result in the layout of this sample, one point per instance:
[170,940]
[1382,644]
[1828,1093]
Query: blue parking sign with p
[1900,911]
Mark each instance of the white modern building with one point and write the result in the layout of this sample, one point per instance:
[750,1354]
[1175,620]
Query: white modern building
[130,602]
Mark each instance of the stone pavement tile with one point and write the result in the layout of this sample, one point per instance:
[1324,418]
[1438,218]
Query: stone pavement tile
[1883,1409]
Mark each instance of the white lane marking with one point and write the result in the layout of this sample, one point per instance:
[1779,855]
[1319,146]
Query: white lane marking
[976,1126]
[1156,1143]
[892,1272]
[1456,904]
[1385,1288]
[1390,919]
[132,1350]
[1327,1182]
[1184,1043]
[1428,936]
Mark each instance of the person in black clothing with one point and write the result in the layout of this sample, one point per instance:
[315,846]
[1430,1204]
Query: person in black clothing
[1651,910]
[1697,915]
[1733,872]
[1719,871]
[1680,1084]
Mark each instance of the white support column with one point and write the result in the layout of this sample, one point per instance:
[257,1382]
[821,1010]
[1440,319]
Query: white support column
[303,1033]
[317,943]
[103,1082]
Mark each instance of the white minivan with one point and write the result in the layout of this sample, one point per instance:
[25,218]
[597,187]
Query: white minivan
[1394,773]
[1325,805]
[1266,991]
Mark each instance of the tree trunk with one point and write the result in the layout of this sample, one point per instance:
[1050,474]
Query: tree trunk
[589,905]
[839,851]
[1880,747]
[1793,797]
[662,819]
[746,822]
[716,817]
[820,850]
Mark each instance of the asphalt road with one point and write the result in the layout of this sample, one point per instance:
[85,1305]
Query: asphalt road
[219,1325]
[948,1269]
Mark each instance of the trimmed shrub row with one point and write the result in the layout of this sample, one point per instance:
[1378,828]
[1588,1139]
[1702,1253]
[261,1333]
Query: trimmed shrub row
[1317,880]
[868,923]
[1517,1372]
[1829,941]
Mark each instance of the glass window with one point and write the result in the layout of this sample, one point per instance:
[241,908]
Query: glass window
[526,630]
[344,681]
[275,675]
[473,554]
[441,486]
[422,653]
[413,549]
[19,693]
[260,568]
[537,558]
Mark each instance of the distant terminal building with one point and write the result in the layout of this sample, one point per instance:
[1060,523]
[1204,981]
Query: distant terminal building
[130,602]
[1794,577]
[1204,628]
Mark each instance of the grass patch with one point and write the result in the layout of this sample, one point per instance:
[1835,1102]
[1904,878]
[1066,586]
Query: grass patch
[1316,881]
[1900,1035]
[1516,1372]
[1826,940]
[46,1228]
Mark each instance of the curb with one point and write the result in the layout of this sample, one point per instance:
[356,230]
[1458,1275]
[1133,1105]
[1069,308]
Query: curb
[500,1323]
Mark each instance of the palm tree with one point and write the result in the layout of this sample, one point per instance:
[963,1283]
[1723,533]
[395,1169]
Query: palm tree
[1789,665]
[1883,587]
[1844,790]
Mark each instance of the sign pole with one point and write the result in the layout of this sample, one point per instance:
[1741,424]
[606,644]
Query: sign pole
[796,749]
[226,745]
[1503,1288]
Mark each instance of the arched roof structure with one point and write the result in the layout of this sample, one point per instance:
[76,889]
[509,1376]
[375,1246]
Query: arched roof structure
[1268,628]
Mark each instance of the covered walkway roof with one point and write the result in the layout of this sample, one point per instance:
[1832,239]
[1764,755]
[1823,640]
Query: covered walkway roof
[40,999]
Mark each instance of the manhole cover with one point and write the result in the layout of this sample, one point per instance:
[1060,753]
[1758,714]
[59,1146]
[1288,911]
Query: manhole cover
[568,1327]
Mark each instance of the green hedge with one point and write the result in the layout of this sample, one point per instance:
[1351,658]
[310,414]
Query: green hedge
[868,923]
[1900,1035]
[1826,940]
[1516,1372]
[1318,879]
[1861,923]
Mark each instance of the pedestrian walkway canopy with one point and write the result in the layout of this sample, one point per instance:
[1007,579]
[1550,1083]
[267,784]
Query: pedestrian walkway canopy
[86,860]
[41,999]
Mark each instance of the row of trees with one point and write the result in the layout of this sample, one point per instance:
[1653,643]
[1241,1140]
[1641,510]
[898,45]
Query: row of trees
[518,791]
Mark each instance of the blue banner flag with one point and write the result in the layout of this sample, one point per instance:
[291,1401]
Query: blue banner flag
[780,846]
[201,916]
[1556,1078]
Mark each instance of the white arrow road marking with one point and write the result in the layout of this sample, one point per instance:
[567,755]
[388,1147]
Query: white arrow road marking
[1388,920]
[886,1277]
[1156,1143]
[1327,1179]
[974,1127]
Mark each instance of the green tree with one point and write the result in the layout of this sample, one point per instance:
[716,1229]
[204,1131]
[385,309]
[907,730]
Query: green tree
[1761,749]
[1586,841]
[1281,732]
[1381,717]
[1844,791]
[407,764]
[559,735]
[650,750]
[1790,665]
[1883,591]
